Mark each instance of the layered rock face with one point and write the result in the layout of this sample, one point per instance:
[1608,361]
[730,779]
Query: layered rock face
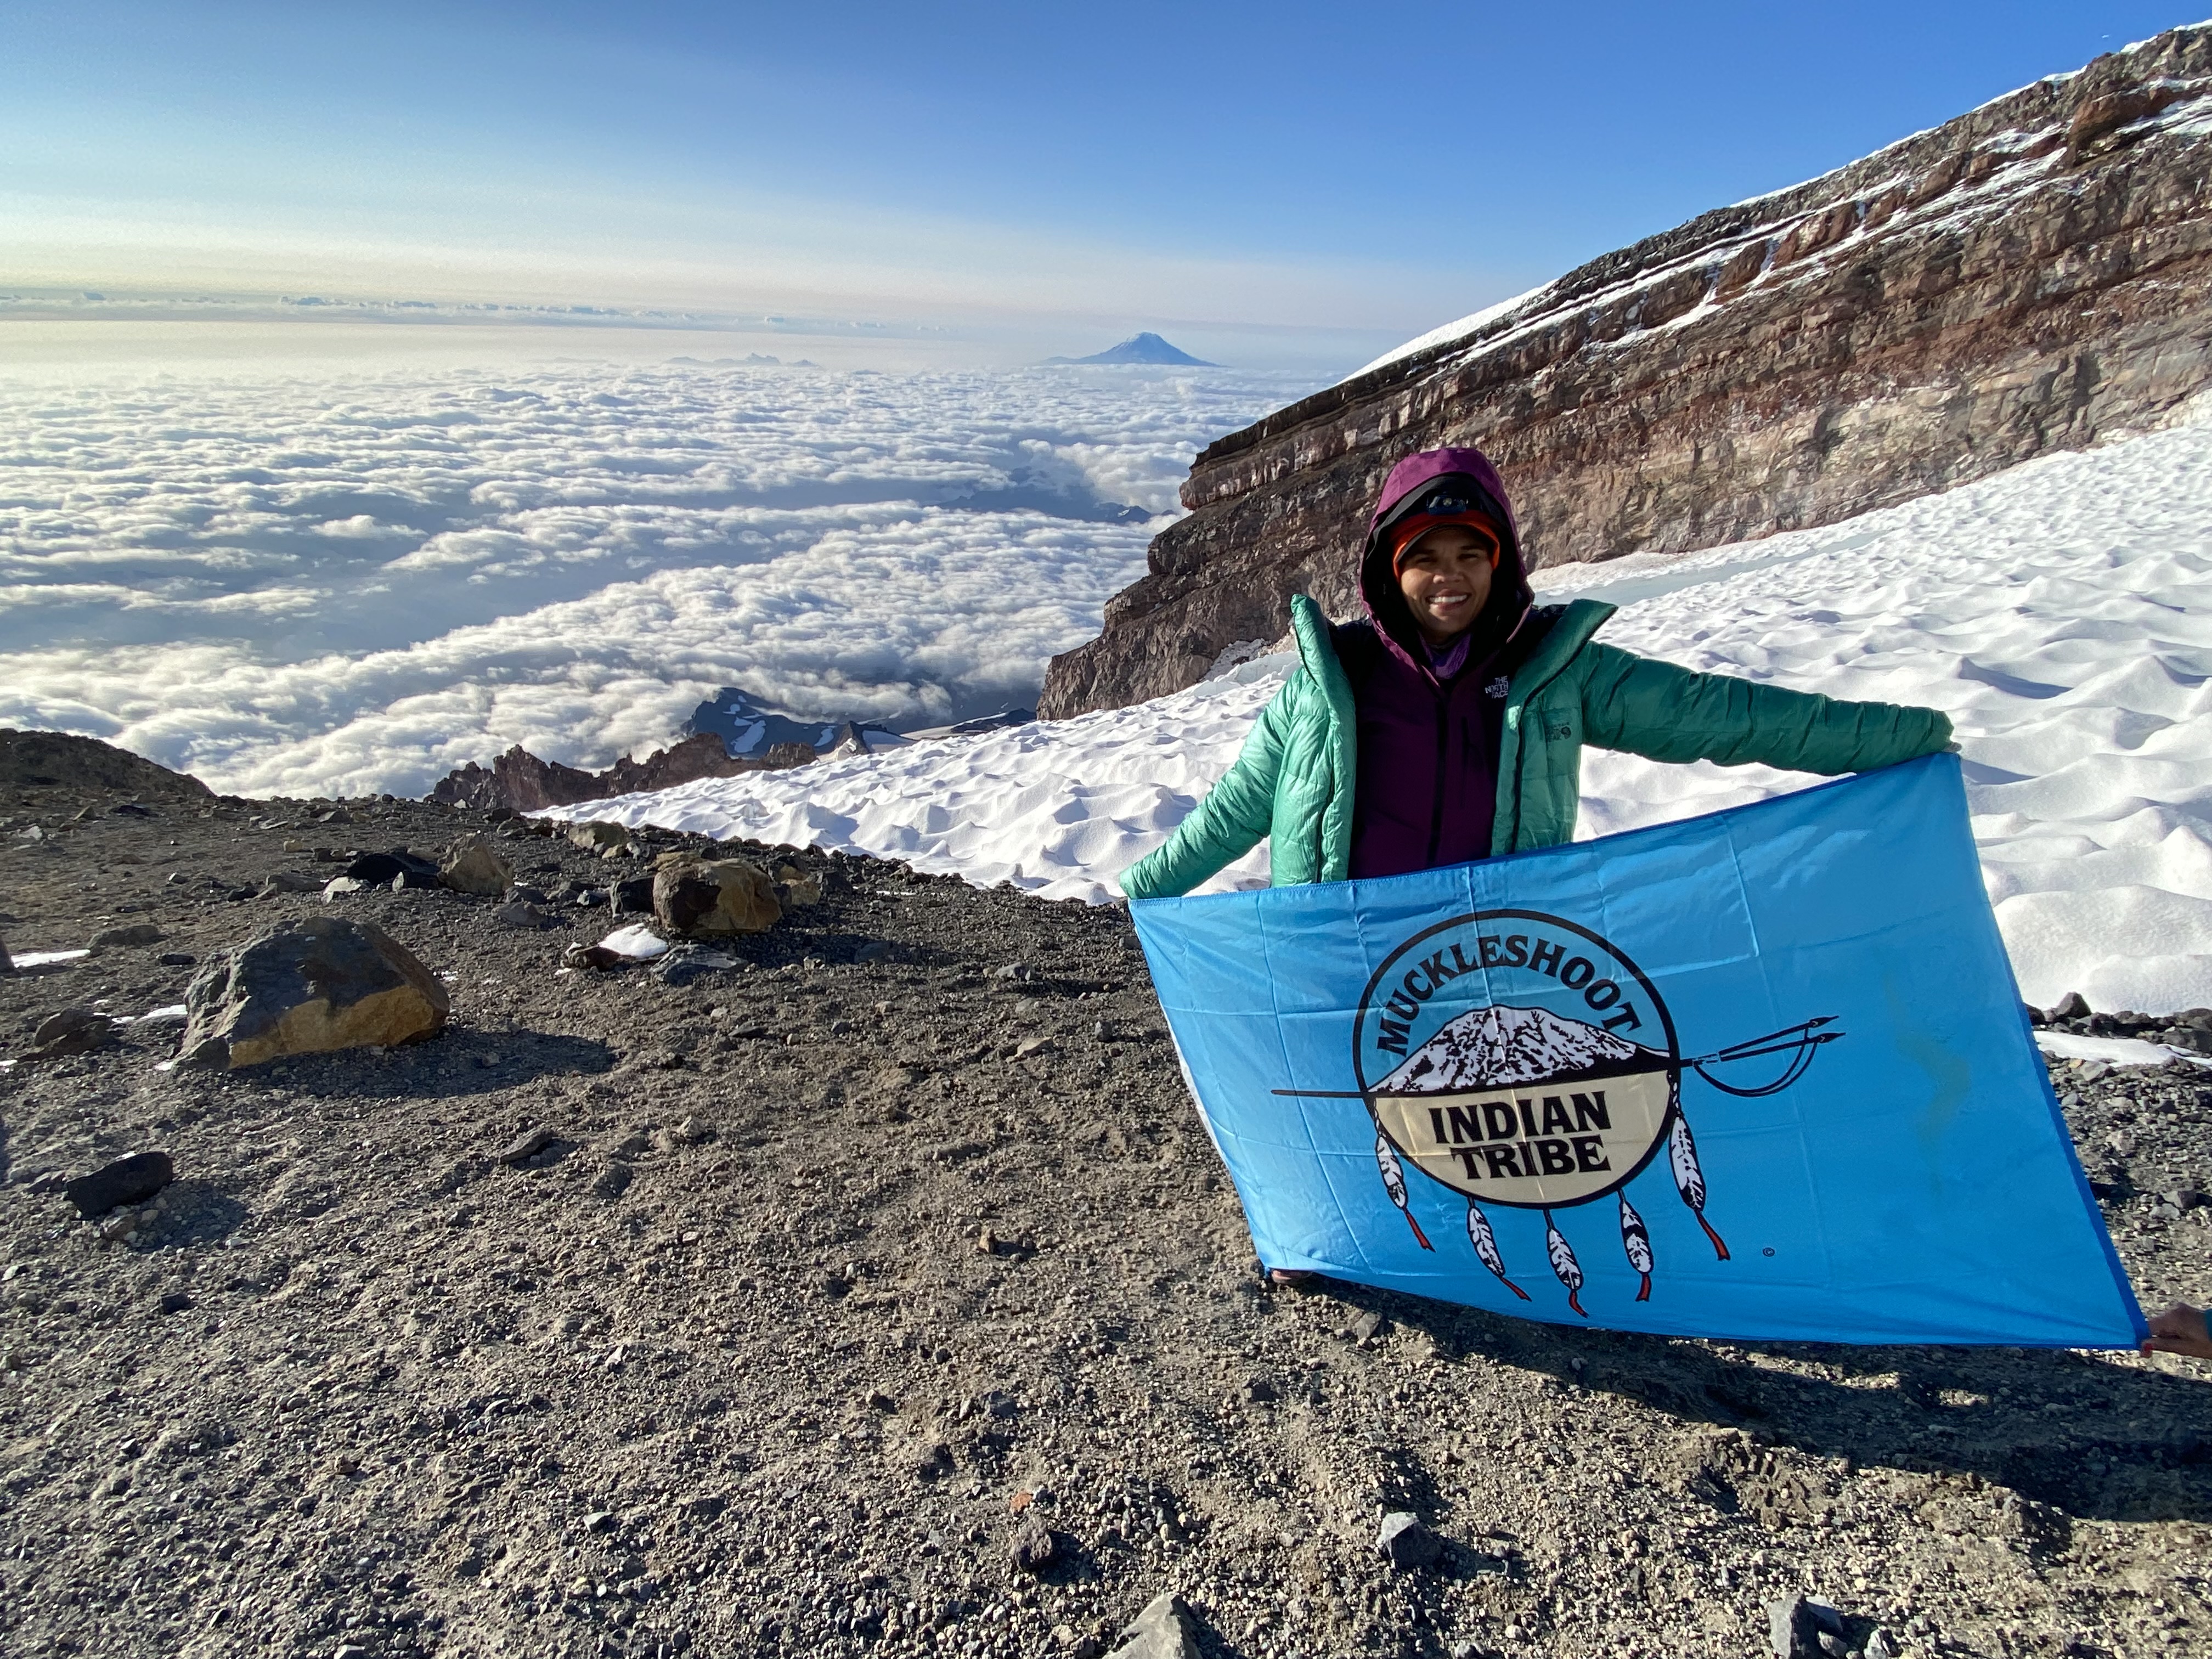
[2028,277]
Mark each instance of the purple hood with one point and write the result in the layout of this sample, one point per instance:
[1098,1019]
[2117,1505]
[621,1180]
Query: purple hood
[1510,595]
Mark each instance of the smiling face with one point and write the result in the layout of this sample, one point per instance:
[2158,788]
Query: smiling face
[1445,577]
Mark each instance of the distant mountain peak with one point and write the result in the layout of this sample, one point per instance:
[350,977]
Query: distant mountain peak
[1140,349]
[750,729]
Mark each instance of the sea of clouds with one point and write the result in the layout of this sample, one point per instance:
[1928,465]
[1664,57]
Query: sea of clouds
[326,583]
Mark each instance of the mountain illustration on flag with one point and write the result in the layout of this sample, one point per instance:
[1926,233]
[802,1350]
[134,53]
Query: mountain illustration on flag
[1500,1046]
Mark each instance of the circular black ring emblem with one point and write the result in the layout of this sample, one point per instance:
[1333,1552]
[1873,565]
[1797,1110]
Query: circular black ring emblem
[1518,1059]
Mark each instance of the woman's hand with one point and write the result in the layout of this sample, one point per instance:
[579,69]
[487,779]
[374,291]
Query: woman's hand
[2180,1329]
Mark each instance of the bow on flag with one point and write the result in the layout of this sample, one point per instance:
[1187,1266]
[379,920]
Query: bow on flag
[1775,1055]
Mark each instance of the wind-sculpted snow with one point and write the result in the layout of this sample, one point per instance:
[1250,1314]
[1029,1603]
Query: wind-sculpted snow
[317,586]
[2060,613]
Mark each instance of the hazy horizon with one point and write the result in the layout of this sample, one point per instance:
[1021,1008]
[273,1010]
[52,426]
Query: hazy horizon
[982,186]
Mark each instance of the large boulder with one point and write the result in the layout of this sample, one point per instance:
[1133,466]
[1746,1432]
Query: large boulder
[475,865]
[309,987]
[714,897]
[607,839]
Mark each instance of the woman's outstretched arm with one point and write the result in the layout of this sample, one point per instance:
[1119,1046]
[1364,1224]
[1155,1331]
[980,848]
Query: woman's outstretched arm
[1228,823]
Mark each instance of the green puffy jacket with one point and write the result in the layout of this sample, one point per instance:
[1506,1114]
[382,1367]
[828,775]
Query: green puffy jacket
[1293,781]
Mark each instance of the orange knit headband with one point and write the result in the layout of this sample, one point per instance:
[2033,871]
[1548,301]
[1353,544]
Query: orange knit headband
[1419,524]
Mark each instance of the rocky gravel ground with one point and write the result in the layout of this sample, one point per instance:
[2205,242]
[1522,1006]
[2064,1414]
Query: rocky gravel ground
[847,1280]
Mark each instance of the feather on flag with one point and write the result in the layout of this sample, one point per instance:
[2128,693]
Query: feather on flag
[1814,982]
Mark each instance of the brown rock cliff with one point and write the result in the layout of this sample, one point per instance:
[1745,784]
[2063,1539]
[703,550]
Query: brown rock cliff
[521,781]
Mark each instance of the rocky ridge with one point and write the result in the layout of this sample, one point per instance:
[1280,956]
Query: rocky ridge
[867,1286]
[520,783]
[2028,277]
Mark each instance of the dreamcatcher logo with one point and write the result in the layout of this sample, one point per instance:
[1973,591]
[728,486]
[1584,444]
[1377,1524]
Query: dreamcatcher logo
[1520,1060]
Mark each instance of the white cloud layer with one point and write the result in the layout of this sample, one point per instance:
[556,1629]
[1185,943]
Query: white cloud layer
[319,584]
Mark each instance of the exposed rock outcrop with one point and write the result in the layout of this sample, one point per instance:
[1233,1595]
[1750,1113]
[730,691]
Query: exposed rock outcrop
[752,731]
[521,782]
[2027,278]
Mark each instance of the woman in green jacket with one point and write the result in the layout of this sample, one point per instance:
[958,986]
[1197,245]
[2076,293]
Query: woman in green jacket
[1450,725]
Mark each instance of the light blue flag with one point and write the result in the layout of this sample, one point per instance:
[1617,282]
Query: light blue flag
[1763,1074]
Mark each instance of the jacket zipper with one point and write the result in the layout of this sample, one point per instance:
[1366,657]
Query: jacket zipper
[1436,788]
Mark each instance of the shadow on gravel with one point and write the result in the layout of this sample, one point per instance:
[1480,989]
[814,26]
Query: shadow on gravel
[2100,1442]
[197,1213]
[461,1062]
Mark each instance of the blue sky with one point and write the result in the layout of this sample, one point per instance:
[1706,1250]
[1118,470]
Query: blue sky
[1377,166]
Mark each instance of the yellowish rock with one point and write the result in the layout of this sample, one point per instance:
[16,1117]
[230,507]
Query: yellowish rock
[598,837]
[475,865]
[311,987]
[714,897]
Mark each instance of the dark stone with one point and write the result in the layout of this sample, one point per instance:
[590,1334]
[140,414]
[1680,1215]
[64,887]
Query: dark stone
[2072,1005]
[72,1032]
[633,894]
[1406,1544]
[715,896]
[176,1302]
[382,868]
[528,1145]
[176,959]
[520,912]
[613,1180]
[1796,1624]
[1033,1546]
[596,957]
[688,964]
[130,1180]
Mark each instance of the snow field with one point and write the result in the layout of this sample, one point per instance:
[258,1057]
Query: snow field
[2060,613]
